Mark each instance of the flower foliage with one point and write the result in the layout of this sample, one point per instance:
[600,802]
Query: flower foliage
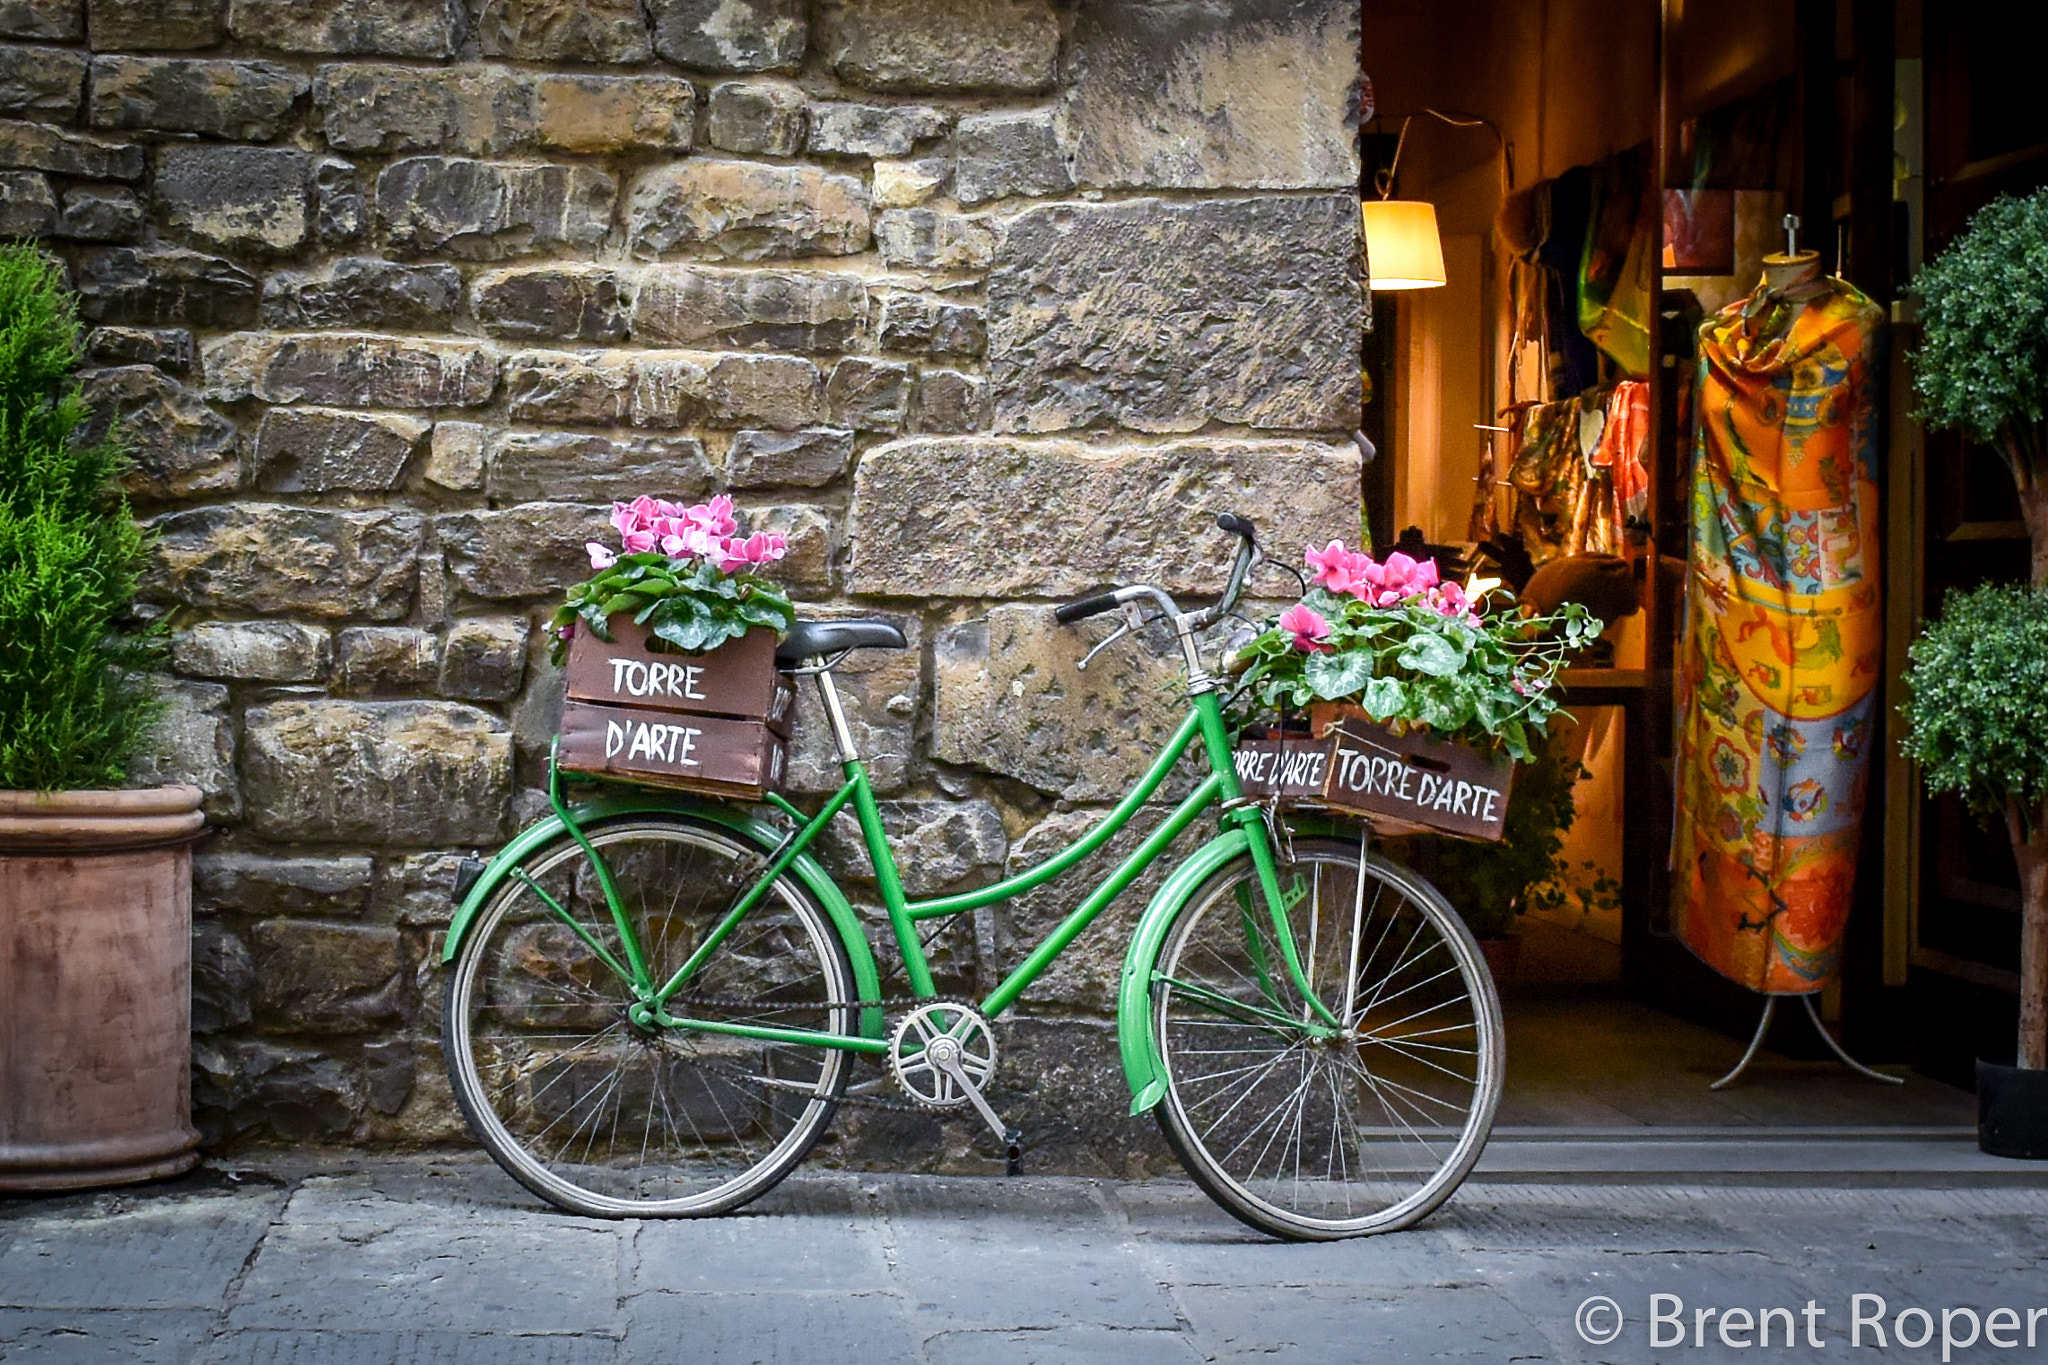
[76,701]
[1412,649]
[1982,364]
[683,572]
[1978,704]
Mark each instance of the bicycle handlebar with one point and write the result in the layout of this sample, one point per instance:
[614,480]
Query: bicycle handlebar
[1081,609]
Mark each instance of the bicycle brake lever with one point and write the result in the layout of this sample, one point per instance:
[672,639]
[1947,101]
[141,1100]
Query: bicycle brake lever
[1107,641]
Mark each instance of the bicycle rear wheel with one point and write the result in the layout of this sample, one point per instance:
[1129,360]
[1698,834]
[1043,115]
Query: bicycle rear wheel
[600,1116]
[1314,1134]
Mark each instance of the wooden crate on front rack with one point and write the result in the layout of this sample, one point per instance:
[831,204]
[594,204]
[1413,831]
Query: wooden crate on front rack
[716,723]
[1402,784]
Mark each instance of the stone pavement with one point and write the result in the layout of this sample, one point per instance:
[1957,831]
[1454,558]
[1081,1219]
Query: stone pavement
[312,1259]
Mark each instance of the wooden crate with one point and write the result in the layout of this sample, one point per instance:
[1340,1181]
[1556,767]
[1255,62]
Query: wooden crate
[716,723]
[1402,783]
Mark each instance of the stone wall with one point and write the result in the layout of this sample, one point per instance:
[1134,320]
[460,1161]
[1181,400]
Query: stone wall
[983,302]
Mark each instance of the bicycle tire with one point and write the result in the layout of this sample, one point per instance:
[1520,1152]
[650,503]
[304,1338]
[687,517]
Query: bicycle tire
[529,1006]
[1424,1045]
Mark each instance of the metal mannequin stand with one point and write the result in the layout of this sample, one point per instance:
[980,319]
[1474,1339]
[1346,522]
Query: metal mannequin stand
[1763,1026]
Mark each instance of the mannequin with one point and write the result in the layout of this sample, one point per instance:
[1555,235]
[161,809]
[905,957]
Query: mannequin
[1783,271]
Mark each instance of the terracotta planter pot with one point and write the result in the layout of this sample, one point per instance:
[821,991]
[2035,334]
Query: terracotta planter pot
[96,987]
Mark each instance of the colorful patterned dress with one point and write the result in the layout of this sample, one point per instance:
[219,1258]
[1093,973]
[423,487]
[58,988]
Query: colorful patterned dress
[1783,637]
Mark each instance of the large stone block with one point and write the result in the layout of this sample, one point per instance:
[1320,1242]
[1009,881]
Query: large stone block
[340,215]
[778,391]
[170,349]
[1009,46]
[935,239]
[349,28]
[878,689]
[525,551]
[180,446]
[949,402]
[528,466]
[1165,316]
[350,370]
[940,846]
[875,130]
[169,25]
[325,450]
[602,114]
[193,741]
[360,291]
[261,886]
[810,535]
[455,455]
[478,210]
[374,107]
[1189,94]
[245,101]
[771,309]
[100,213]
[153,288]
[254,199]
[564,30]
[293,1094]
[1005,155]
[483,658]
[927,325]
[808,459]
[746,210]
[664,389]
[730,35]
[942,516]
[327,978]
[407,772]
[869,395]
[223,978]
[370,659]
[903,184]
[39,147]
[252,651]
[1008,698]
[267,558]
[556,302]
[757,118]
[63,20]
[41,82]
[27,206]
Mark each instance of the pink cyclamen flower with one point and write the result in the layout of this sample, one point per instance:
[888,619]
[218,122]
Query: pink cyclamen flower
[1341,570]
[638,542]
[1308,628]
[600,557]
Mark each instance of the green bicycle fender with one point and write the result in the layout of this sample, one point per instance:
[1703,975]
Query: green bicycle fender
[1144,1068]
[865,978]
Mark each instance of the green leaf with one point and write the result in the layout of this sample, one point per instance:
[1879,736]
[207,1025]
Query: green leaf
[1335,676]
[1433,655]
[1384,699]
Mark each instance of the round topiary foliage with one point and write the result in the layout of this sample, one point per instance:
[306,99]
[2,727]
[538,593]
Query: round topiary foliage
[1981,367]
[75,700]
[1978,713]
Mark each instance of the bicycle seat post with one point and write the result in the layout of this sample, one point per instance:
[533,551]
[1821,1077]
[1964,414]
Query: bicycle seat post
[841,735]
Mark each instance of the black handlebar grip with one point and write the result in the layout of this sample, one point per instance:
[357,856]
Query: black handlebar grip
[1236,525]
[1070,612]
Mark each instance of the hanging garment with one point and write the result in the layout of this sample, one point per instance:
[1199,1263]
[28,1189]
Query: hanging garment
[1783,635]
[1574,360]
[1615,266]
[1622,445]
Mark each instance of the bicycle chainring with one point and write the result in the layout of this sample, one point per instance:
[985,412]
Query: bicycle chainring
[935,1028]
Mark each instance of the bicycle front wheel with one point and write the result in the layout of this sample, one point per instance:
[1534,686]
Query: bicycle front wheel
[1306,1131]
[601,1116]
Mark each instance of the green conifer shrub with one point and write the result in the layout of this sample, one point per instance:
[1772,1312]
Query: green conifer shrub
[75,698]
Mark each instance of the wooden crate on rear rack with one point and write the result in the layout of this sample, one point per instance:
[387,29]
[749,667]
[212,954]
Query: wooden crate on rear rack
[716,723]
[1400,783]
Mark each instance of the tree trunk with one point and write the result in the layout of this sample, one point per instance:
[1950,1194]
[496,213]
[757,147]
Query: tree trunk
[2030,848]
[2034,507]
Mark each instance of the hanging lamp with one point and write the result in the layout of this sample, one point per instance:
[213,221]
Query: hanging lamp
[1403,249]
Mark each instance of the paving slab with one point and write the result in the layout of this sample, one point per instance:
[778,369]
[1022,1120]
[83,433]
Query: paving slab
[134,1252]
[408,1348]
[34,1336]
[1063,1346]
[768,1329]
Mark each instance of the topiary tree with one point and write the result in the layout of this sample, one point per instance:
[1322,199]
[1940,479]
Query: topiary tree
[74,698]
[1978,715]
[1982,364]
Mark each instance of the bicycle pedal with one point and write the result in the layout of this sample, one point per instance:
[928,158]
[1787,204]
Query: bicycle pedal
[1013,1152]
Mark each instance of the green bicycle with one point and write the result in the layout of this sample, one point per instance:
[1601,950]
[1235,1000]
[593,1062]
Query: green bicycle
[656,999]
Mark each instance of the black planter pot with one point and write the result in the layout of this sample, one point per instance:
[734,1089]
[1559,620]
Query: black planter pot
[2012,1111]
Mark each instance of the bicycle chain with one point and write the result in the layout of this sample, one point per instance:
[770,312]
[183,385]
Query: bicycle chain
[884,1102]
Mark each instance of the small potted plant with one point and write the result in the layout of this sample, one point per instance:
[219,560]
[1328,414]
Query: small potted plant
[95,879]
[1978,709]
[683,582]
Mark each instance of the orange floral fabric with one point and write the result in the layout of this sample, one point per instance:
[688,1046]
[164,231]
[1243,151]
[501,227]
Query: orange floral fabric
[1783,635]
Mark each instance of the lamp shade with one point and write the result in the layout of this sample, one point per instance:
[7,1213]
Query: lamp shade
[1402,250]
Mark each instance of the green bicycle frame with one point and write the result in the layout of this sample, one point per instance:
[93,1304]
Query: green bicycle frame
[1204,721]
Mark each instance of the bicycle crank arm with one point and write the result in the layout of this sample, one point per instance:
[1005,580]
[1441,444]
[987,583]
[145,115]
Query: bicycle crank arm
[947,1060]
